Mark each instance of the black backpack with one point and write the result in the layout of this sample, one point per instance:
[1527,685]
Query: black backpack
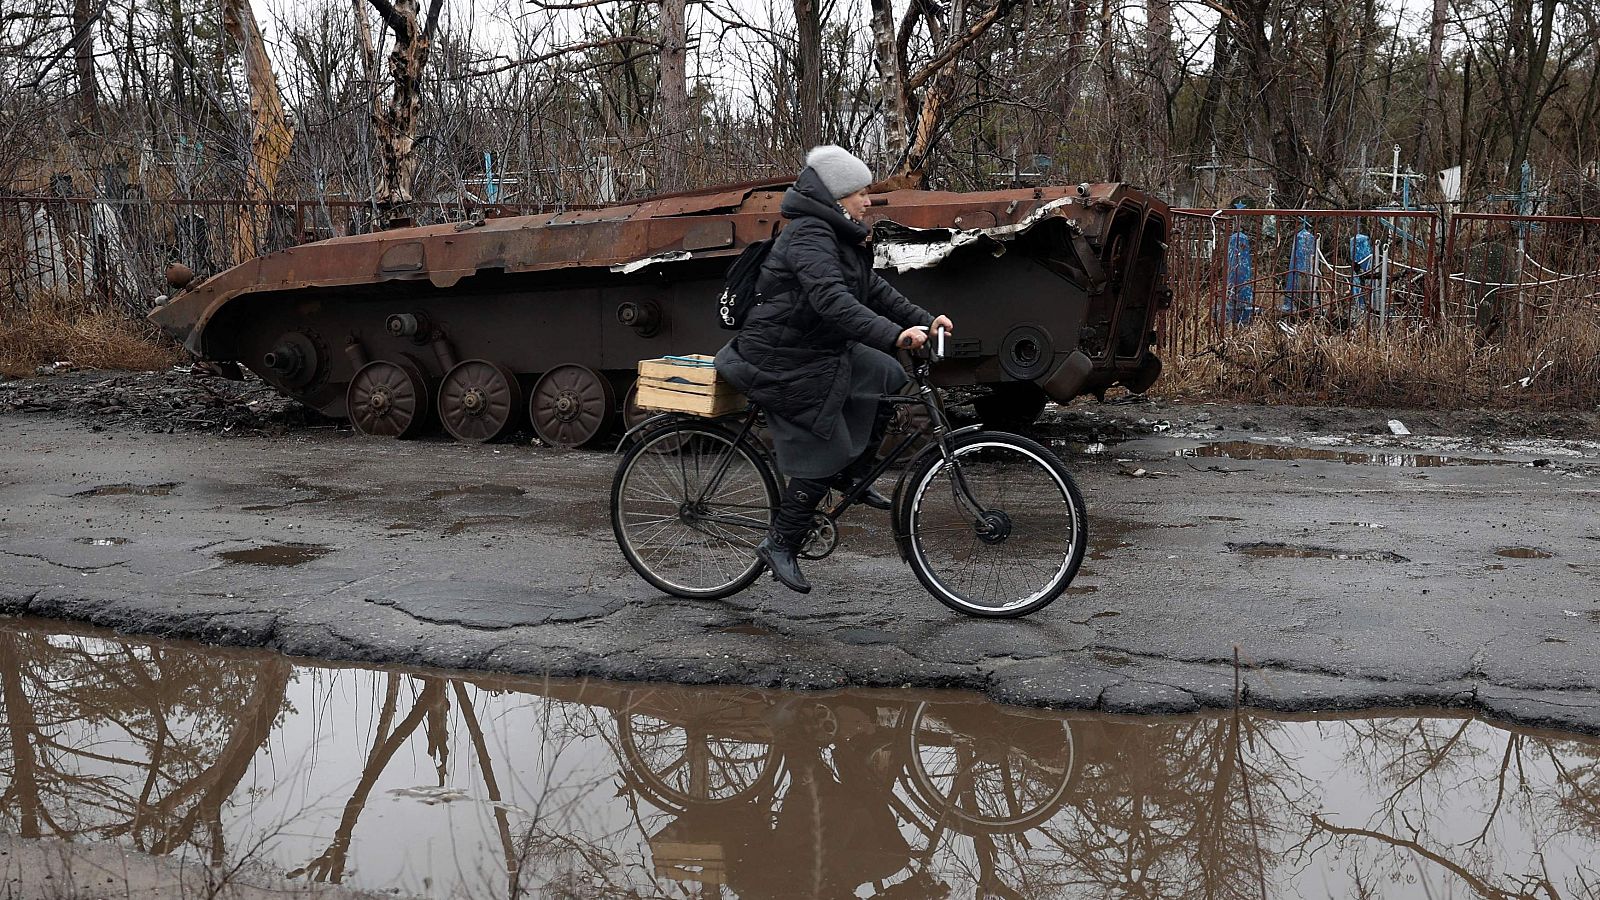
[739,294]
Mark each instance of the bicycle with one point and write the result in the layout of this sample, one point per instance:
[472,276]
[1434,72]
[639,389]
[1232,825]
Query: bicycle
[991,523]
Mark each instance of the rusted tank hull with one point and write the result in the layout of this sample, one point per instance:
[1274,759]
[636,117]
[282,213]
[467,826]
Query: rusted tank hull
[1056,288]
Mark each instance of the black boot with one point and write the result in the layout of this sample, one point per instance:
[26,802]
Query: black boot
[789,529]
[858,470]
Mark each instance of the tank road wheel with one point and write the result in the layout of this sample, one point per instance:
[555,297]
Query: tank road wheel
[479,400]
[1010,404]
[632,413]
[388,399]
[572,405]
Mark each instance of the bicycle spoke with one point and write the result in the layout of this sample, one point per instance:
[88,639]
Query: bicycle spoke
[1021,541]
[688,504]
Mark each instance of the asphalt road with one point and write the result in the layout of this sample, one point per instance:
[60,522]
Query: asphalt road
[1368,577]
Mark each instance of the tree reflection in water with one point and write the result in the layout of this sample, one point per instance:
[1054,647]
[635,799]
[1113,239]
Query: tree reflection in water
[522,787]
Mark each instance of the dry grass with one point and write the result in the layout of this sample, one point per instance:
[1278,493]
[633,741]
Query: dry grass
[1548,364]
[48,328]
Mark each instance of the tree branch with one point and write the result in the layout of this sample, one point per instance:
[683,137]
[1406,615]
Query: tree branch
[391,17]
[546,57]
[971,35]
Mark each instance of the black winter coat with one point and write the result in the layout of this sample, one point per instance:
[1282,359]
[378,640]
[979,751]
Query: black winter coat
[820,297]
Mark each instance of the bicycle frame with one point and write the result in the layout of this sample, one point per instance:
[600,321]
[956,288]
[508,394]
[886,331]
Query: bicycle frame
[940,432]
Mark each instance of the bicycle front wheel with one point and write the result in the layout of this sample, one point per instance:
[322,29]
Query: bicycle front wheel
[1019,541]
[688,505]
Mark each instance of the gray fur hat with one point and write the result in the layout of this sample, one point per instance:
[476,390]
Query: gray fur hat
[841,172]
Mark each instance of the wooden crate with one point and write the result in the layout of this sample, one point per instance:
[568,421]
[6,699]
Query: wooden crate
[672,386]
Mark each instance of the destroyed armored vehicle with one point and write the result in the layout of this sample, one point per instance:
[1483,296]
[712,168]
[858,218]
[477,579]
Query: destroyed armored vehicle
[483,325]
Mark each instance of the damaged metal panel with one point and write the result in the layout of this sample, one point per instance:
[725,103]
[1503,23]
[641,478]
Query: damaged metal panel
[1054,291]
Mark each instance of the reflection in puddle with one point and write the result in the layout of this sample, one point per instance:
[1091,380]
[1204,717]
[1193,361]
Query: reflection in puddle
[1269,550]
[1070,448]
[461,525]
[1252,450]
[276,555]
[478,490]
[483,787]
[1106,536]
[102,542]
[123,490]
[1523,553]
[746,628]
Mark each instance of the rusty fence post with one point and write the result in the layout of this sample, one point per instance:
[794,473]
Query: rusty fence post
[1437,281]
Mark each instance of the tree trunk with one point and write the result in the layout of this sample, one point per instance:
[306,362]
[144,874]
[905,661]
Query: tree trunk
[23,736]
[1529,111]
[1158,46]
[1431,141]
[808,72]
[1205,136]
[1111,79]
[929,119]
[88,91]
[672,96]
[396,123]
[1263,58]
[271,137]
[892,79]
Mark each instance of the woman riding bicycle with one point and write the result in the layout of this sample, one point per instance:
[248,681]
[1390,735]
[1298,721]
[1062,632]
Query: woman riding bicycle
[812,354]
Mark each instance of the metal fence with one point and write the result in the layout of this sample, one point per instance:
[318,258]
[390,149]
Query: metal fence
[1372,272]
[111,251]
[1366,271]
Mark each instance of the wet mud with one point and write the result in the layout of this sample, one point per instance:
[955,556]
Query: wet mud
[1250,450]
[1268,550]
[129,490]
[285,555]
[1524,553]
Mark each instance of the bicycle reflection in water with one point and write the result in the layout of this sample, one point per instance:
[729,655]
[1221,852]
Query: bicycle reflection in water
[800,797]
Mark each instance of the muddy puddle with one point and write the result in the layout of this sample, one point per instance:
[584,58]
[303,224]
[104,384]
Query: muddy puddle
[130,490]
[284,555]
[1273,550]
[455,786]
[1250,450]
[1524,553]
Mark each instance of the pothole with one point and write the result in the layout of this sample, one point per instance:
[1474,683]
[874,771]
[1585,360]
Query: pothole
[1269,550]
[1523,553]
[746,628]
[464,524]
[1249,450]
[276,555]
[126,489]
[478,490]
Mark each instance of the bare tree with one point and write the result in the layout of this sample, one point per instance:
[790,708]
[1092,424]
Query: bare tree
[396,122]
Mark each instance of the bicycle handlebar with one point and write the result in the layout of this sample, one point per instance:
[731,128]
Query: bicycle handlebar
[932,350]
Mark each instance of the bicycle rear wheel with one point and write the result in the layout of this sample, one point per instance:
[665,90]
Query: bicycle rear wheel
[688,505]
[1026,546]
